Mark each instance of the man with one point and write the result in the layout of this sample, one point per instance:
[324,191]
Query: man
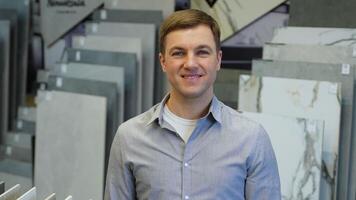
[191,146]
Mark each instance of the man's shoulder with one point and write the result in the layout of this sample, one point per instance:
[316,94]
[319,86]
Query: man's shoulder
[139,123]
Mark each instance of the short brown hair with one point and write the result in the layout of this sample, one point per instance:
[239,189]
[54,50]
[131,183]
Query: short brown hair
[188,19]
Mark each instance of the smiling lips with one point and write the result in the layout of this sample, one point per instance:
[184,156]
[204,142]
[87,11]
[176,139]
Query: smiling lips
[191,76]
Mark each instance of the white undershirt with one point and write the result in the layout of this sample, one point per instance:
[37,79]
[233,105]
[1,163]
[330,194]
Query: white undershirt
[184,127]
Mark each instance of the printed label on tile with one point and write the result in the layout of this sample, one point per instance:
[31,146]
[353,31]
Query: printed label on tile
[311,126]
[59,82]
[103,14]
[16,138]
[48,96]
[19,124]
[64,68]
[345,69]
[8,151]
[333,88]
[94,27]
[354,52]
[81,41]
[77,56]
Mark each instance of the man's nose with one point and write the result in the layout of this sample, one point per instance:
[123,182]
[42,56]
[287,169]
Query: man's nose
[191,60]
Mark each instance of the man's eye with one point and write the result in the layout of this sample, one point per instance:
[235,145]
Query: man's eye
[178,53]
[203,52]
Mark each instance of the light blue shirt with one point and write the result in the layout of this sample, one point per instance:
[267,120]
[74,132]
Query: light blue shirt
[227,157]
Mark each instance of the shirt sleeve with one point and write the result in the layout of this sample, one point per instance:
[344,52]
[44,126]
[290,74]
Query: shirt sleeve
[262,182]
[119,180]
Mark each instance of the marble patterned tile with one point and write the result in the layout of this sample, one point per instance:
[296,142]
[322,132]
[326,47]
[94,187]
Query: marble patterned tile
[297,143]
[146,33]
[24,126]
[303,99]
[19,139]
[67,15]
[127,61]
[4,76]
[315,36]
[166,6]
[96,72]
[11,15]
[96,88]
[258,32]
[26,113]
[22,8]
[332,55]
[128,16]
[116,44]
[234,15]
[73,150]
[16,153]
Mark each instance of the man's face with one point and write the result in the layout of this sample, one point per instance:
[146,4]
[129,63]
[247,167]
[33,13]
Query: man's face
[191,61]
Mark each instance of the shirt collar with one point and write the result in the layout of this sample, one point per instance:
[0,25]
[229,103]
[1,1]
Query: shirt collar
[214,110]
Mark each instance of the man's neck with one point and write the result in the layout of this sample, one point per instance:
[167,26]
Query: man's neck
[189,108]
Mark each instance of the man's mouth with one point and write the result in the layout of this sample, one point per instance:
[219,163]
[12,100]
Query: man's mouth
[191,76]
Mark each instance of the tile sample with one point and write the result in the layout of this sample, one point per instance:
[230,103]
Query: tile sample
[166,6]
[16,153]
[333,55]
[99,73]
[116,44]
[233,15]
[4,76]
[303,99]
[12,193]
[309,53]
[128,16]
[18,139]
[146,33]
[57,137]
[67,15]
[318,14]
[226,86]
[11,16]
[313,35]
[127,61]
[2,187]
[26,113]
[107,90]
[258,32]
[29,195]
[24,126]
[16,167]
[297,143]
[22,8]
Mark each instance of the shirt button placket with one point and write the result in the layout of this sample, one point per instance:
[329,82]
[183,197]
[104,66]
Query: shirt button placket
[186,176]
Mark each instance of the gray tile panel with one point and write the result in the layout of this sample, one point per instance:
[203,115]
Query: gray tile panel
[23,13]
[70,141]
[16,153]
[95,72]
[18,139]
[146,32]
[4,76]
[16,167]
[96,88]
[11,15]
[127,61]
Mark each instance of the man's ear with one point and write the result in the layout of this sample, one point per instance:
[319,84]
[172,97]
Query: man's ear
[219,57]
[162,61]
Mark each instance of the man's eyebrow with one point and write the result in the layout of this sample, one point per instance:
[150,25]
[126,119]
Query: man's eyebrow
[175,48]
[203,46]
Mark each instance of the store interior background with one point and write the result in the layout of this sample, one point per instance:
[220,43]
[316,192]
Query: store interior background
[71,71]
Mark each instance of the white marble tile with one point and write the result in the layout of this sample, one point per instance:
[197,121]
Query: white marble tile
[258,32]
[147,35]
[11,193]
[297,143]
[167,6]
[297,98]
[70,141]
[316,36]
[95,72]
[233,15]
[11,180]
[29,195]
[67,15]
[117,44]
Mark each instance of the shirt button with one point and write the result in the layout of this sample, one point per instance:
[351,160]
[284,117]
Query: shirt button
[186,164]
[186,197]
